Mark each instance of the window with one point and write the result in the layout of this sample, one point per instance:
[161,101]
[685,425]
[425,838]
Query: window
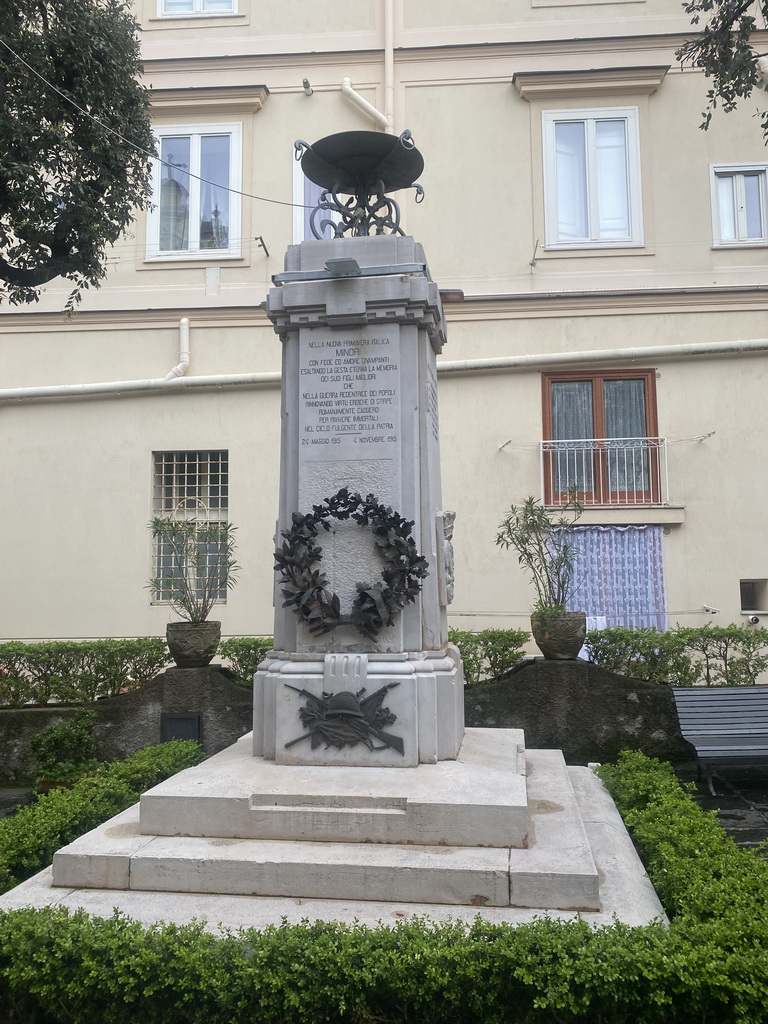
[196,211]
[599,438]
[739,205]
[306,196]
[592,178]
[754,595]
[184,8]
[620,576]
[192,487]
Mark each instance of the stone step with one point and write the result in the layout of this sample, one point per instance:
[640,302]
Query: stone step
[555,871]
[477,800]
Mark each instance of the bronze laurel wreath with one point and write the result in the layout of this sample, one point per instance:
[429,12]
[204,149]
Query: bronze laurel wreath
[305,586]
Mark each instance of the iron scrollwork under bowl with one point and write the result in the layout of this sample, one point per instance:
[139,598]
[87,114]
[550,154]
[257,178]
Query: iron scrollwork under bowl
[355,162]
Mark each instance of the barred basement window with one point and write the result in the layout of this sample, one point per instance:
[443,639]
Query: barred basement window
[189,486]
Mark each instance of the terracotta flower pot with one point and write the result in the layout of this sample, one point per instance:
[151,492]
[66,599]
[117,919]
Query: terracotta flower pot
[559,635]
[192,644]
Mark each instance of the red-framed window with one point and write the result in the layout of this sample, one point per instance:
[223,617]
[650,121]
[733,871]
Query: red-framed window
[600,437]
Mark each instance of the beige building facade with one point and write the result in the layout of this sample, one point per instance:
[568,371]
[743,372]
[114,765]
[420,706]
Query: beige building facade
[602,262]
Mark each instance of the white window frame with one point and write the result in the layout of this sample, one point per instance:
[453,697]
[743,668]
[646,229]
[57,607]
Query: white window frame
[198,11]
[234,129]
[301,201]
[737,171]
[630,116]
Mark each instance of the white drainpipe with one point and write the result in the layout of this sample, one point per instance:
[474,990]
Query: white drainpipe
[380,119]
[183,364]
[605,355]
[523,362]
[174,380]
[385,120]
[389,64]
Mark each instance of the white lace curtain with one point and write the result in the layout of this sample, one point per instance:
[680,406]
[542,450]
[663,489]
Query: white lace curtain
[620,576]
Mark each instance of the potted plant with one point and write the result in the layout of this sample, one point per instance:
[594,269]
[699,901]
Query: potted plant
[542,540]
[196,564]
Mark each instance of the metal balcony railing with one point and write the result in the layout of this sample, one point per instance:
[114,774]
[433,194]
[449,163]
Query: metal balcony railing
[606,470]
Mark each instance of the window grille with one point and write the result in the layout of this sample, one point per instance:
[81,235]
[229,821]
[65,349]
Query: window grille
[193,487]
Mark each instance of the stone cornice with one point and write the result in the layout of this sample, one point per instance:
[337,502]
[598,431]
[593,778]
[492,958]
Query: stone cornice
[549,85]
[248,98]
[602,303]
[480,307]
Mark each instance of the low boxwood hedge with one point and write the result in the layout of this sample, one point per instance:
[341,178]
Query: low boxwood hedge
[29,839]
[77,671]
[489,654]
[710,966]
[245,654]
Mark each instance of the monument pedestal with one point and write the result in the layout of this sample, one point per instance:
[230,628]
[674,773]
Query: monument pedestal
[359,416]
[240,841]
[424,691]
[360,791]
[455,832]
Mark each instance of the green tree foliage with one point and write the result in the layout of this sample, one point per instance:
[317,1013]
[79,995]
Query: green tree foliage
[72,170]
[724,51]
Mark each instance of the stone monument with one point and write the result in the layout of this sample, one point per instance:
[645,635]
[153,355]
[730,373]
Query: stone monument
[360,795]
[363,558]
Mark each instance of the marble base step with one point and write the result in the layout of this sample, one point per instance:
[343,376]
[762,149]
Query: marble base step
[479,799]
[625,891]
[555,871]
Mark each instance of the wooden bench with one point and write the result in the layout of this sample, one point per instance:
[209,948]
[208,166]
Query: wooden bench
[727,725]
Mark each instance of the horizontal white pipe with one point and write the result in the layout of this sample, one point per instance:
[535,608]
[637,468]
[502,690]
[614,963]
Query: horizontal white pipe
[605,355]
[381,119]
[128,386]
[523,362]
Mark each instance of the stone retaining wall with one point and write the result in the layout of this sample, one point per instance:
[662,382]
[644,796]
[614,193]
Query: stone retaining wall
[133,720]
[588,713]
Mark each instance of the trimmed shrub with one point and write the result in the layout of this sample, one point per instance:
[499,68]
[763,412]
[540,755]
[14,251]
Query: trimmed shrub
[728,655]
[64,752]
[245,654]
[700,874]
[714,655]
[649,654]
[77,672]
[710,966]
[490,654]
[29,839]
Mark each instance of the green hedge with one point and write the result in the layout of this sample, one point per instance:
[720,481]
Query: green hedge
[29,839]
[710,966]
[77,672]
[684,656]
[246,653]
[489,654]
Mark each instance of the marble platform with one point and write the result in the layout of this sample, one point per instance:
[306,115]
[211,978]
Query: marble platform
[576,861]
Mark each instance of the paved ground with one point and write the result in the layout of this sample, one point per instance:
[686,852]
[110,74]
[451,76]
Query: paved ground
[741,802]
[10,799]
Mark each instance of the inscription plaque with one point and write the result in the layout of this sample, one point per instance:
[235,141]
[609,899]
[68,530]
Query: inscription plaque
[349,397]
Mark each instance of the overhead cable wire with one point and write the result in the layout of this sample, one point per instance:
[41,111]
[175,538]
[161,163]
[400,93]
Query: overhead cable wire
[139,149]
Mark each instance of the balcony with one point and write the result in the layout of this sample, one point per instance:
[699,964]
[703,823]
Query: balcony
[606,471]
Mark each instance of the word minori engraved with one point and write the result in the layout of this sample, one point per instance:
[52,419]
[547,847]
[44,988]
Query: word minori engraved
[345,719]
